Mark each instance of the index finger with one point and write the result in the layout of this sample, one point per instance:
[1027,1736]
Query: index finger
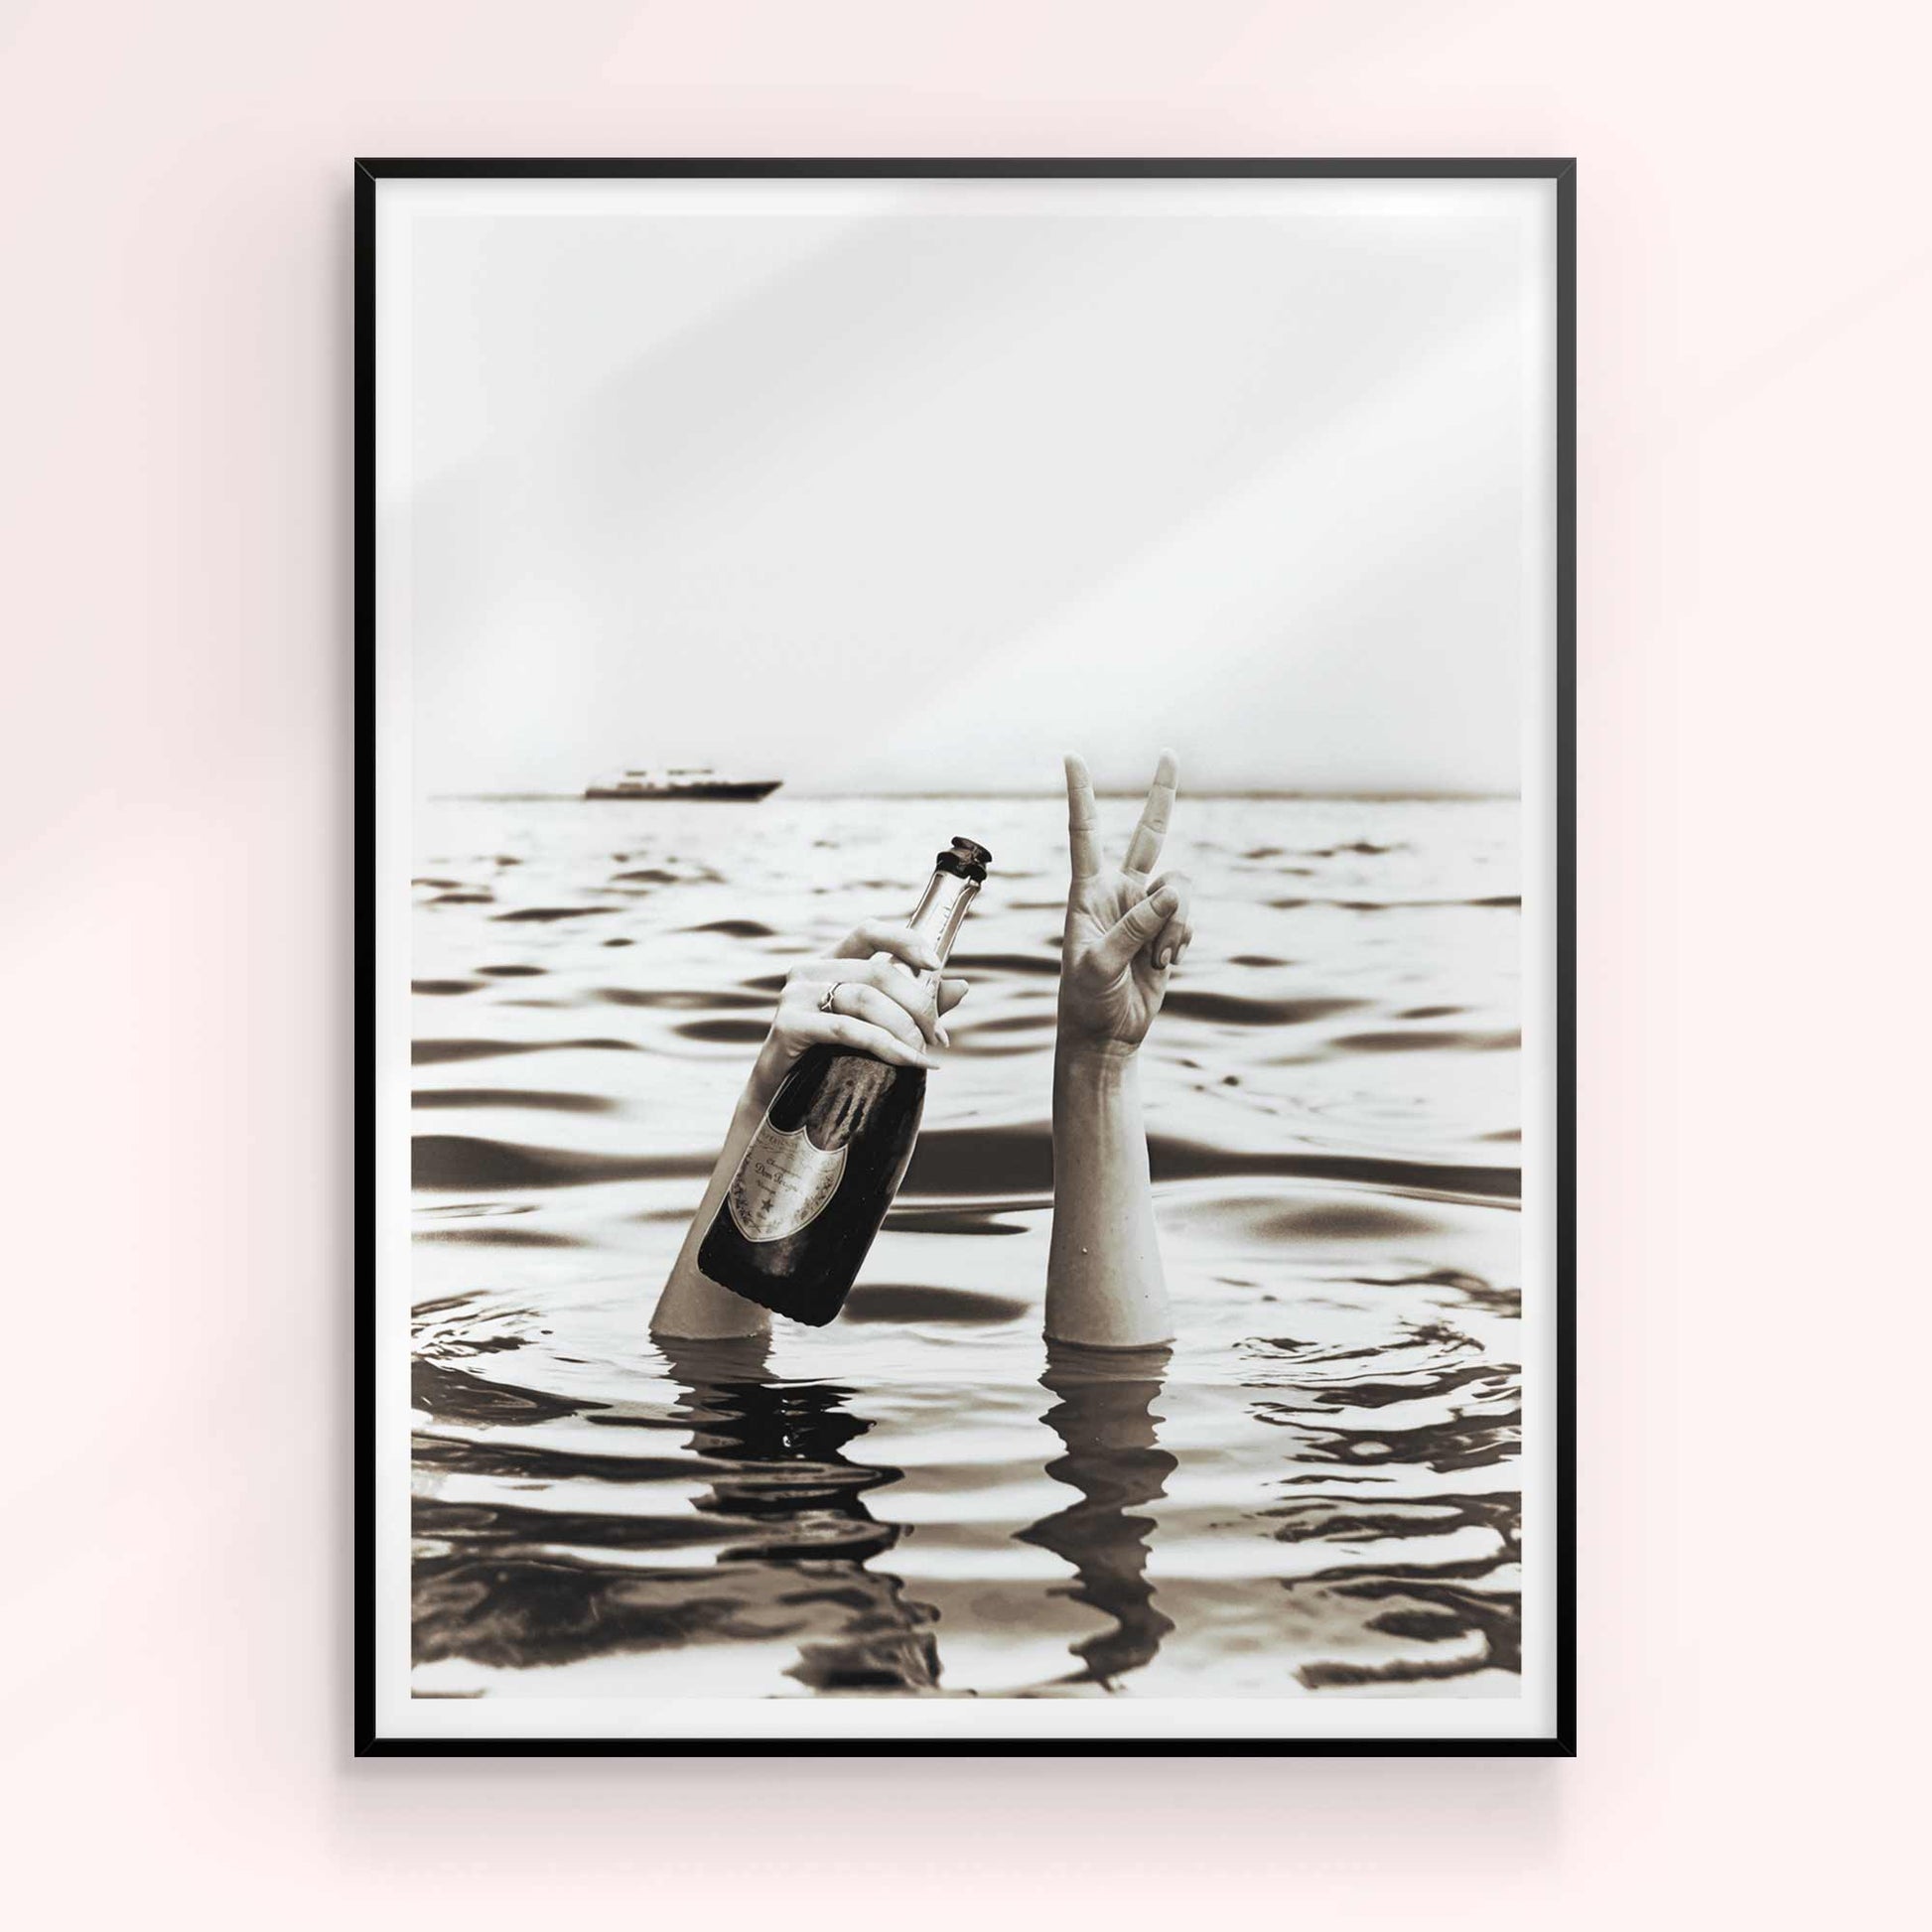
[1082,822]
[1143,849]
[892,937]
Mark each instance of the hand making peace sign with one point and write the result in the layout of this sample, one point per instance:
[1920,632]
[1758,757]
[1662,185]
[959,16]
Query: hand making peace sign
[1124,929]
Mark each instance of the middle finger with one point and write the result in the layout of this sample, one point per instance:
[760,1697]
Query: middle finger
[1143,849]
[917,995]
[859,1001]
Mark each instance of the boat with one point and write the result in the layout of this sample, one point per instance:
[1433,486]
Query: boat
[681,782]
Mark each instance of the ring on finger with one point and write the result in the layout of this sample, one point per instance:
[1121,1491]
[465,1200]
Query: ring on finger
[830,994]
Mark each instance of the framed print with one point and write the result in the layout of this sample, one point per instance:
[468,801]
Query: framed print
[965,956]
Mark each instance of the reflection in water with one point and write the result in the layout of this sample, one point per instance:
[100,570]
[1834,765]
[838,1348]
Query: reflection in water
[783,1516]
[774,1452]
[1105,1421]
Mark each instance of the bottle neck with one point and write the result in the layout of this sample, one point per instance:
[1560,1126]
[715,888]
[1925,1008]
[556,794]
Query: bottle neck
[942,910]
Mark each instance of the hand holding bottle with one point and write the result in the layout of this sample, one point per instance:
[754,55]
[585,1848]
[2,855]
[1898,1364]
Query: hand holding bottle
[876,991]
[1125,930]
[876,1001]
[806,1181]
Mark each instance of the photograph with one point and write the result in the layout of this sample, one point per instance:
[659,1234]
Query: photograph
[964,784]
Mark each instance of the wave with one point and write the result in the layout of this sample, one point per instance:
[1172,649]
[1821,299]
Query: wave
[968,1162]
[1019,1159]
[1393,904]
[1233,1010]
[735,928]
[1422,1042]
[672,999]
[727,1033]
[545,914]
[530,1097]
[469,1163]
[906,1302]
[486,1236]
[439,1052]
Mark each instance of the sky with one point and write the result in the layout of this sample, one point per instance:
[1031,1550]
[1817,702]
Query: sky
[912,485]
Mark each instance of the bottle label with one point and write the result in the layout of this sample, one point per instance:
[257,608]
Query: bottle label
[783,1183]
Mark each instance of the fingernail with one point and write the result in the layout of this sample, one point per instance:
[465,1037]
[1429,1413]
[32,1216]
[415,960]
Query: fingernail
[945,1038]
[1163,956]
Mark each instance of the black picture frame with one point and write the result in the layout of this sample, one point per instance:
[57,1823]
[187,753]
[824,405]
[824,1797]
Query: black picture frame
[369,173]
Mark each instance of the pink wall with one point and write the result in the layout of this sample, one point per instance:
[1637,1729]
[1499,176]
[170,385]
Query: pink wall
[1757,300]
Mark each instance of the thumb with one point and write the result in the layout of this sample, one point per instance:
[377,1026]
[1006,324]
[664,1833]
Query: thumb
[1134,930]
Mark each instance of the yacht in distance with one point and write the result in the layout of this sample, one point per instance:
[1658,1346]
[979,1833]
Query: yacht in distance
[682,781]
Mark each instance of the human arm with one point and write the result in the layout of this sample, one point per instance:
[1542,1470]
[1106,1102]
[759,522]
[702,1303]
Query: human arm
[877,1007]
[1105,1287]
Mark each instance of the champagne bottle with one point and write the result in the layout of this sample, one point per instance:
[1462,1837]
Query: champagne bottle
[813,1188]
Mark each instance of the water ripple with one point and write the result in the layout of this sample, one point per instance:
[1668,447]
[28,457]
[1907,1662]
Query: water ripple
[1313,1494]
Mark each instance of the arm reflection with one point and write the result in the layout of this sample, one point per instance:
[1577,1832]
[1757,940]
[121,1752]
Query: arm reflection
[779,1473]
[1104,1418]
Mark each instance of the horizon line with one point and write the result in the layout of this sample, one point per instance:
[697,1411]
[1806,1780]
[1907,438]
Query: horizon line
[1375,795]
